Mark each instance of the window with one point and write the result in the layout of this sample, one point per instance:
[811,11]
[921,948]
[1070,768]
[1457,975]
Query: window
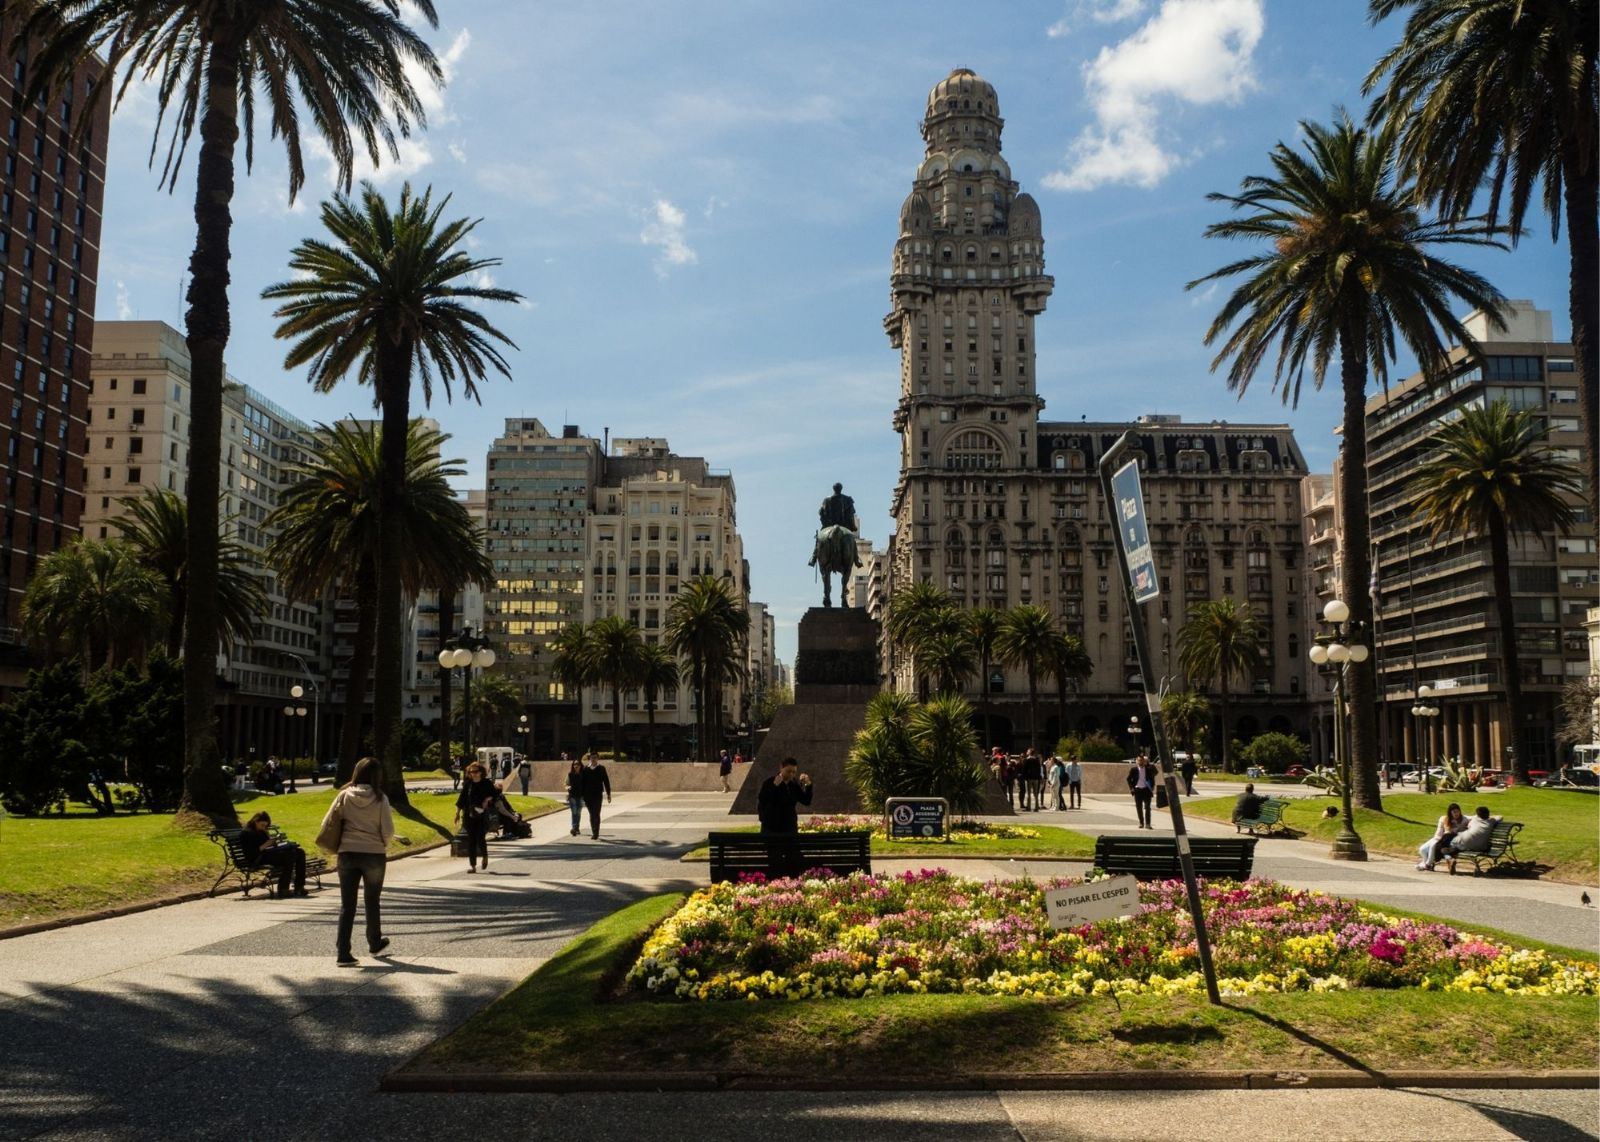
[138,386]
[134,475]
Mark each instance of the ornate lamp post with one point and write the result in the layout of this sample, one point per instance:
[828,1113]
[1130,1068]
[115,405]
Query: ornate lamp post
[464,652]
[1134,730]
[1338,646]
[1423,710]
[297,692]
[293,712]
[526,727]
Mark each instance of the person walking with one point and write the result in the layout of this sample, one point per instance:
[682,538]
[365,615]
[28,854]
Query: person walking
[575,793]
[478,793]
[1074,784]
[592,783]
[525,774]
[1142,784]
[1188,769]
[1055,778]
[359,826]
[725,770]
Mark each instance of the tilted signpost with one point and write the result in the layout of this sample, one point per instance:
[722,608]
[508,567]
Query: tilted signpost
[1125,499]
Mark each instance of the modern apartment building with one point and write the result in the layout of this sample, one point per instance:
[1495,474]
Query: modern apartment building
[999,507]
[52,186]
[138,439]
[1437,624]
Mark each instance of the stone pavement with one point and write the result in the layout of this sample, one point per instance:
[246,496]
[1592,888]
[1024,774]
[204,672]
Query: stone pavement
[227,1018]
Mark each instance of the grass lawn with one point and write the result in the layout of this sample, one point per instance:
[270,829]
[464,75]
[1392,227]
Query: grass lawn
[570,1016]
[1052,841]
[1561,830]
[61,866]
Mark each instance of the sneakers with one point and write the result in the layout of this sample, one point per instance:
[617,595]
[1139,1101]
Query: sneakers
[379,946]
[346,960]
[574,832]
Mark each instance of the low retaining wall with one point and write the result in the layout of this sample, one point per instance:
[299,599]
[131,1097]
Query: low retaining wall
[639,777]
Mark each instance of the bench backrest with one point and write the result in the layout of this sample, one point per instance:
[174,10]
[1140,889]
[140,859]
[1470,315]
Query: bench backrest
[231,843]
[788,854]
[1501,836]
[1157,857]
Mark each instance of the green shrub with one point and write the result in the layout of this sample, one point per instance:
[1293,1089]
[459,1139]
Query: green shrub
[1275,752]
[1099,746]
[42,752]
[918,749]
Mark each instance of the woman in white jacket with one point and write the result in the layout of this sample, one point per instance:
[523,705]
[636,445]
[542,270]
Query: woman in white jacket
[361,821]
[1450,824]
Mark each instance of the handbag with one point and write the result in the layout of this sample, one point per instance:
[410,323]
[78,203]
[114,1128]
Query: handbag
[1161,796]
[332,831]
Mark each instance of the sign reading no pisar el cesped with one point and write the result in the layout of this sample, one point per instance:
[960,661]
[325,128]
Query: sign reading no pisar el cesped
[1083,904]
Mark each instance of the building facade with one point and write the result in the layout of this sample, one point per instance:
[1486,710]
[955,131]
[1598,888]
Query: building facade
[1437,623]
[999,507]
[52,187]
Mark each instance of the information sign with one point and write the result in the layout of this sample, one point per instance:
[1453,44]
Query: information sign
[1135,532]
[1098,900]
[916,818]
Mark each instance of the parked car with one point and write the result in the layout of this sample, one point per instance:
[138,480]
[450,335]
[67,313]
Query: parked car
[1296,771]
[1414,776]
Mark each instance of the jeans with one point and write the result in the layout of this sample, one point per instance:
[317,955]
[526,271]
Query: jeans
[290,861]
[576,805]
[366,870]
[476,826]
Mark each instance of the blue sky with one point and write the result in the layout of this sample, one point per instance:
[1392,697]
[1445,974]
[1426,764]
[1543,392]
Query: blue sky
[699,202]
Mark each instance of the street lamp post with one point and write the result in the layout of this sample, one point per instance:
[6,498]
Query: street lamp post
[464,652]
[1422,710]
[527,727]
[1339,646]
[292,712]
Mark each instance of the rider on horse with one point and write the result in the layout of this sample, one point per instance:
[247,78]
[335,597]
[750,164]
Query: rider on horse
[835,548]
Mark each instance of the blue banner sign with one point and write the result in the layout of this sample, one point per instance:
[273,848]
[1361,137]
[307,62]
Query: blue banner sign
[1140,560]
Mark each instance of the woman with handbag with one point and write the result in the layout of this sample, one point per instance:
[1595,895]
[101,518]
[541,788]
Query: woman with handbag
[359,827]
[478,795]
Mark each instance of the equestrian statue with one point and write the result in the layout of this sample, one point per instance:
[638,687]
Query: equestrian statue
[835,549]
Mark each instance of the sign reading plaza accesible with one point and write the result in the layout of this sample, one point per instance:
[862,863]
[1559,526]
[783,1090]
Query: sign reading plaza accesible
[916,818]
[1135,532]
[1097,900]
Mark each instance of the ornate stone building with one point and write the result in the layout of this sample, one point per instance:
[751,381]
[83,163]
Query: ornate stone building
[1000,508]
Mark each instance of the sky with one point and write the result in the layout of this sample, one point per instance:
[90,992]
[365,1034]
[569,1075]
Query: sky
[698,202]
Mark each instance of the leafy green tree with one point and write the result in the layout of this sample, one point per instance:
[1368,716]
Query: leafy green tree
[1070,665]
[1491,474]
[95,600]
[432,755]
[922,749]
[495,700]
[1221,640]
[771,701]
[1349,265]
[414,738]
[706,626]
[916,615]
[617,660]
[328,534]
[1580,712]
[1185,714]
[573,664]
[42,727]
[387,295]
[658,672]
[1275,752]
[947,656]
[349,67]
[1027,635]
[134,725]
[983,626]
[1502,94]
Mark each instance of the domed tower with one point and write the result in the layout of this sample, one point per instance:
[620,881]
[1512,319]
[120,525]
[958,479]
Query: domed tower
[968,279]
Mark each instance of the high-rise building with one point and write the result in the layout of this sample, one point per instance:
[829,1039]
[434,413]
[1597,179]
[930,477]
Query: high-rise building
[51,191]
[1000,508]
[1437,621]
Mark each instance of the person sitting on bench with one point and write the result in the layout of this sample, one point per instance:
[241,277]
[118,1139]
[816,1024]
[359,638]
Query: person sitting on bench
[1474,838]
[261,848]
[1247,806]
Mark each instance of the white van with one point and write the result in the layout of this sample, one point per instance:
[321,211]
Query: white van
[496,759]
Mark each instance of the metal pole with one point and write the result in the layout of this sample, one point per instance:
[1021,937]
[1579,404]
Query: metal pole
[1158,731]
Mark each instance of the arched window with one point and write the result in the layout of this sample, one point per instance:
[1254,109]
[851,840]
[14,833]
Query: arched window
[973,449]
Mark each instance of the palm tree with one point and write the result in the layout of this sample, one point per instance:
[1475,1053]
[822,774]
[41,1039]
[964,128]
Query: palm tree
[1348,268]
[1025,639]
[494,697]
[96,600]
[658,671]
[157,528]
[914,614]
[983,626]
[615,649]
[1185,714]
[1503,92]
[328,533]
[1221,640]
[385,297]
[1493,476]
[347,66]
[1068,663]
[573,664]
[948,657]
[706,625]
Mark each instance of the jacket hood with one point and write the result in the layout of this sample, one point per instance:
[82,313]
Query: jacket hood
[362,795]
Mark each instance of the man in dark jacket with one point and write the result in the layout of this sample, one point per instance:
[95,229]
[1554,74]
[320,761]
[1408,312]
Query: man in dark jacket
[594,783]
[776,805]
[1142,780]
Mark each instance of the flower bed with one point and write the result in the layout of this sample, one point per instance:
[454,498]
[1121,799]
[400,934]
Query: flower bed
[959,831]
[934,932]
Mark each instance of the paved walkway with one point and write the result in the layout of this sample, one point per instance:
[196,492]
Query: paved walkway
[227,1018]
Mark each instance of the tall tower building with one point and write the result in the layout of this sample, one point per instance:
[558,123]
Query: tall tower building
[52,185]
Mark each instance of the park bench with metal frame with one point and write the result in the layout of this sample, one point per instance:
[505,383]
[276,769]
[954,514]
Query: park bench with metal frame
[1156,857]
[788,854]
[236,862]
[1502,850]
[1268,818]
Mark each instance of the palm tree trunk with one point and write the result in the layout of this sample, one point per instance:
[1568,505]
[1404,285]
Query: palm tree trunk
[650,715]
[616,723]
[1355,565]
[1033,706]
[394,374]
[447,606]
[359,667]
[179,602]
[1581,187]
[1500,555]
[1222,713]
[983,698]
[1061,710]
[205,789]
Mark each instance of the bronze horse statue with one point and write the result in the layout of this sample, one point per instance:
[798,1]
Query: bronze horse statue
[834,554]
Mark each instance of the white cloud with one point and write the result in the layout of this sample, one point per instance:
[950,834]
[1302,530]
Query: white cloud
[1196,52]
[457,152]
[664,229]
[124,306]
[1096,12]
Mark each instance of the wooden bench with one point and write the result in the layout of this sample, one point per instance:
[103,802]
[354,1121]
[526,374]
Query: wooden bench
[1268,818]
[1156,857]
[236,864]
[788,854]
[1502,850]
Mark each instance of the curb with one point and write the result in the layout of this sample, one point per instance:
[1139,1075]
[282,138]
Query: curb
[686,858]
[547,1082]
